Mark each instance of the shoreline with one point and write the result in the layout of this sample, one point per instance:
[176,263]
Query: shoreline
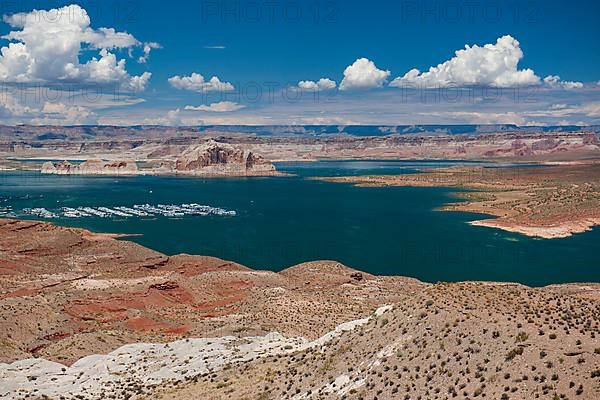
[101,236]
[274,174]
[171,174]
[531,203]
[553,232]
[521,200]
[93,236]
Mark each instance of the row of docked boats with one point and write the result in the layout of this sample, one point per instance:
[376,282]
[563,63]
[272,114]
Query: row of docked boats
[137,210]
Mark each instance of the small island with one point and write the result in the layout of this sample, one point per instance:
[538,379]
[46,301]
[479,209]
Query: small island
[91,167]
[207,159]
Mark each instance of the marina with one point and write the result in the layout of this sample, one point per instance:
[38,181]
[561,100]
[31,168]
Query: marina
[281,222]
[6,211]
[137,210]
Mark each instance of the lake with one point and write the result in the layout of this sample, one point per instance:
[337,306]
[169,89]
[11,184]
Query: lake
[282,221]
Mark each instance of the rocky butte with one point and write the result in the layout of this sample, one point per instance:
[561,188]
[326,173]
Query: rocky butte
[207,159]
[213,158]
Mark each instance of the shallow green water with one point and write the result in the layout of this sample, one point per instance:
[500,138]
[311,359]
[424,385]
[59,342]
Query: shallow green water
[283,221]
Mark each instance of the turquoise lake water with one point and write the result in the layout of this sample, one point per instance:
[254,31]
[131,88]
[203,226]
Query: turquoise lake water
[287,220]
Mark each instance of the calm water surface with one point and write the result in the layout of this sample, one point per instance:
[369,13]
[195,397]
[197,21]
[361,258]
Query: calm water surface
[284,221]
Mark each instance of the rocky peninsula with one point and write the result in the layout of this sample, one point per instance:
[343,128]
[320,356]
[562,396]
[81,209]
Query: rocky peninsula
[546,201]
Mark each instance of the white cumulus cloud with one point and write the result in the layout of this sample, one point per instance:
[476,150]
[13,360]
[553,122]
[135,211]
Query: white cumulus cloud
[148,47]
[591,109]
[197,83]
[63,114]
[363,74]
[45,46]
[560,106]
[555,82]
[45,113]
[474,65]
[320,85]
[222,106]
[10,107]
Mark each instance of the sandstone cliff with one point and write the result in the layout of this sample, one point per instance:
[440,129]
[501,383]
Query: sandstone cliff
[212,158]
[91,167]
[531,144]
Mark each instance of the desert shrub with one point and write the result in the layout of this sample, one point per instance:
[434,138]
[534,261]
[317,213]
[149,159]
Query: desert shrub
[517,351]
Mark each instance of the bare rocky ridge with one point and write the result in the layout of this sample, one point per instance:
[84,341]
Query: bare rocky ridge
[160,144]
[67,293]
[308,332]
[145,365]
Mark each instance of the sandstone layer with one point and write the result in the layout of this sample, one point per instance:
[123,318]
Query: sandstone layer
[206,159]
[163,144]
[91,167]
[67,293]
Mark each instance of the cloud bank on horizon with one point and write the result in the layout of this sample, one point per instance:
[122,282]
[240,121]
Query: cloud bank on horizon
[80,54]
[222,106]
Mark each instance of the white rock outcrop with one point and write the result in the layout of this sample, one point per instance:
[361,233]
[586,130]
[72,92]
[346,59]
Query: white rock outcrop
[139,366]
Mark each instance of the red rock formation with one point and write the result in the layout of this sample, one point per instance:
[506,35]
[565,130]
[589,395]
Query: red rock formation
[212,158]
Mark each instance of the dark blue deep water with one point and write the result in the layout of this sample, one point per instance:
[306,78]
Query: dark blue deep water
[287,220]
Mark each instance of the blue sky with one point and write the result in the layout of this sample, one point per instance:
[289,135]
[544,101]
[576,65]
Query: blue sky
[249,44]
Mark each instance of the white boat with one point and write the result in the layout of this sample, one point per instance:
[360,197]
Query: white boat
[137,210]
[40,212]
[114,212]
[94,212]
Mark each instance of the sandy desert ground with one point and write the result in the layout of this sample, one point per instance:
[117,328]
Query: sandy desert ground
[85,315]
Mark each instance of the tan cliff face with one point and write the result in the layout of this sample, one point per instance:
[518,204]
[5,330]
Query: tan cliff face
[221,159]
[152,146]
[90,167]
